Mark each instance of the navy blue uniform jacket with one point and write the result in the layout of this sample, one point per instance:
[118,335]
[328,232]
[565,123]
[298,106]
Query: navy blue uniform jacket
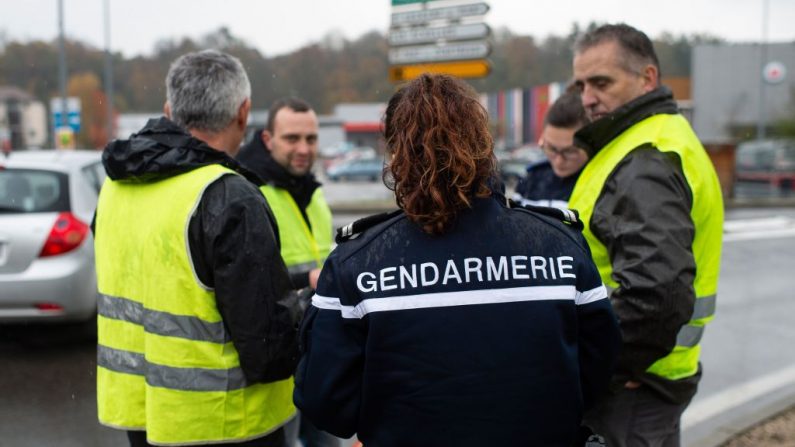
[497,333]
[541,187]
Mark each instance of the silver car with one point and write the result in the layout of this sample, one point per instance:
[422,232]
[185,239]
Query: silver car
[47,201]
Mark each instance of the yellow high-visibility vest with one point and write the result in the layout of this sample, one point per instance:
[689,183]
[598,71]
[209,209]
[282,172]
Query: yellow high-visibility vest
[668,133]
[165,361]
[302,248]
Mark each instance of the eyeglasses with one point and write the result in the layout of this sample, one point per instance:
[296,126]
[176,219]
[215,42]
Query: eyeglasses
[567,153]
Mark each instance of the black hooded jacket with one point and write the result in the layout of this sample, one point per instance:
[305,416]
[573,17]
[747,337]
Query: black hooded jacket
[642,216]
[257,158]
[232,241]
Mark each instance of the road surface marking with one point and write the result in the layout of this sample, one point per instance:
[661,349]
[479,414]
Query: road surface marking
[761,228]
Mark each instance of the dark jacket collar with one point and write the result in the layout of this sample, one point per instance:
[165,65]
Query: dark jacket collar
[256,157]
[161,150]
[596,135]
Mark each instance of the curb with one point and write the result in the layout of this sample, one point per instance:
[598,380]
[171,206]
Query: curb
[734,420]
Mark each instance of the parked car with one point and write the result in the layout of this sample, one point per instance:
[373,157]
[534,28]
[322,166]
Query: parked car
[767,161]
[356,169]
[47,201]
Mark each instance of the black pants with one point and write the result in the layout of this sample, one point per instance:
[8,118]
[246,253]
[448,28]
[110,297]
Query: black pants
[636,418]
[275,439]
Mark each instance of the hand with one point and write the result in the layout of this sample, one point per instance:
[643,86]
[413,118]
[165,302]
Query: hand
[314,274]
[631,385]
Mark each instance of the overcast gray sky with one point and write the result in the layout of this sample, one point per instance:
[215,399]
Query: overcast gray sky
[279,26]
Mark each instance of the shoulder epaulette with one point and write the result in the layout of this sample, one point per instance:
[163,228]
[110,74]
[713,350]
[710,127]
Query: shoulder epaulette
[354,228]
[565,215]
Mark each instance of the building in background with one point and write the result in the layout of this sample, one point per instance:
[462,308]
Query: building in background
[23,120]
[727,87]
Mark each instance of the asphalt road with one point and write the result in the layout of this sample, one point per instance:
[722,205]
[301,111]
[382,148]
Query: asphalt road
[47,384]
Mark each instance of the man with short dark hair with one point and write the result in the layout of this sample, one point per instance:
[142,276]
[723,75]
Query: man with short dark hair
[551,181]
[653,213]
[282,155]
[197,338]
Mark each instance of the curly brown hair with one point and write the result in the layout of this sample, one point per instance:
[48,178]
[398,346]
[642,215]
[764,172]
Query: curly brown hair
[442,152]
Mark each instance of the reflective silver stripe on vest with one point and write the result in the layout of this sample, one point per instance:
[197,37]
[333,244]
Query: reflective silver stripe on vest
[705,307]
[121,361]
[689,335]
[302,268]
[120,309]
[185,379]
[195,379]
[162,323]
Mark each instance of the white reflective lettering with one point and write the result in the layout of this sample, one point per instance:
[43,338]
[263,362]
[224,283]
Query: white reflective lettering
[451,271]
[516,266]
[385,278]
[423,268]
[370,285]
[563,267]
[499,272]
[406,276]
[538,263]
[473,265]
[552,268]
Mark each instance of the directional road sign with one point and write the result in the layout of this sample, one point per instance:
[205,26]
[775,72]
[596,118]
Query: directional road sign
[408,2]
[461,69]
[446,13]
[411,36]
[439,53]
[72,113]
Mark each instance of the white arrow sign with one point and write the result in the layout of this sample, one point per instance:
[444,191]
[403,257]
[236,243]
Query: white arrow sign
[447,13]
[449,33]
[435,53]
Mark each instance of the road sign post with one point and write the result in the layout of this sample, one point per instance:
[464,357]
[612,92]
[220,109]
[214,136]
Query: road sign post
[447,39]
[439,53]
[422,16]
[412,36]
[461,69]
[72,118]
[408,2]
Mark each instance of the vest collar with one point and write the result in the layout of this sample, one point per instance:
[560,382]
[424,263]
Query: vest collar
[596,135]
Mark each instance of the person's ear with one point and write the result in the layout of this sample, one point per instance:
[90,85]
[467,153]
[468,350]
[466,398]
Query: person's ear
[267,137]
[167,110]
[651,78]
[242,114]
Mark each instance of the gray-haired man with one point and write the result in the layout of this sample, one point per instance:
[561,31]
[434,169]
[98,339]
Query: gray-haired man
[197,338]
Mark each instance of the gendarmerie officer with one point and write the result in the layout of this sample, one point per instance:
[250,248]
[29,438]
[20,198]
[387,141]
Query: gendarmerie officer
[457,320]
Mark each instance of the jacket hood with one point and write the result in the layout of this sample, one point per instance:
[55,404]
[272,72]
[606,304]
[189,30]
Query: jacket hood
[597,134]
[161,150]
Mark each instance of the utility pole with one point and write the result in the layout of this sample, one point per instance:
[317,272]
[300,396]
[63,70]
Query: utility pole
[62,66]
[761,126]
[108,72]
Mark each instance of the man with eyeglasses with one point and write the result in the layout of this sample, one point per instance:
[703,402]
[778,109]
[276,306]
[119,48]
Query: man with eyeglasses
[550,182]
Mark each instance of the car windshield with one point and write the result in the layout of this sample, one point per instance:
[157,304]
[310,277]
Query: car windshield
[33,191]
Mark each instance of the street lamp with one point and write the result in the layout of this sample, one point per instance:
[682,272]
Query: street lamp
[108,72]
[62,65]
[761,124]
